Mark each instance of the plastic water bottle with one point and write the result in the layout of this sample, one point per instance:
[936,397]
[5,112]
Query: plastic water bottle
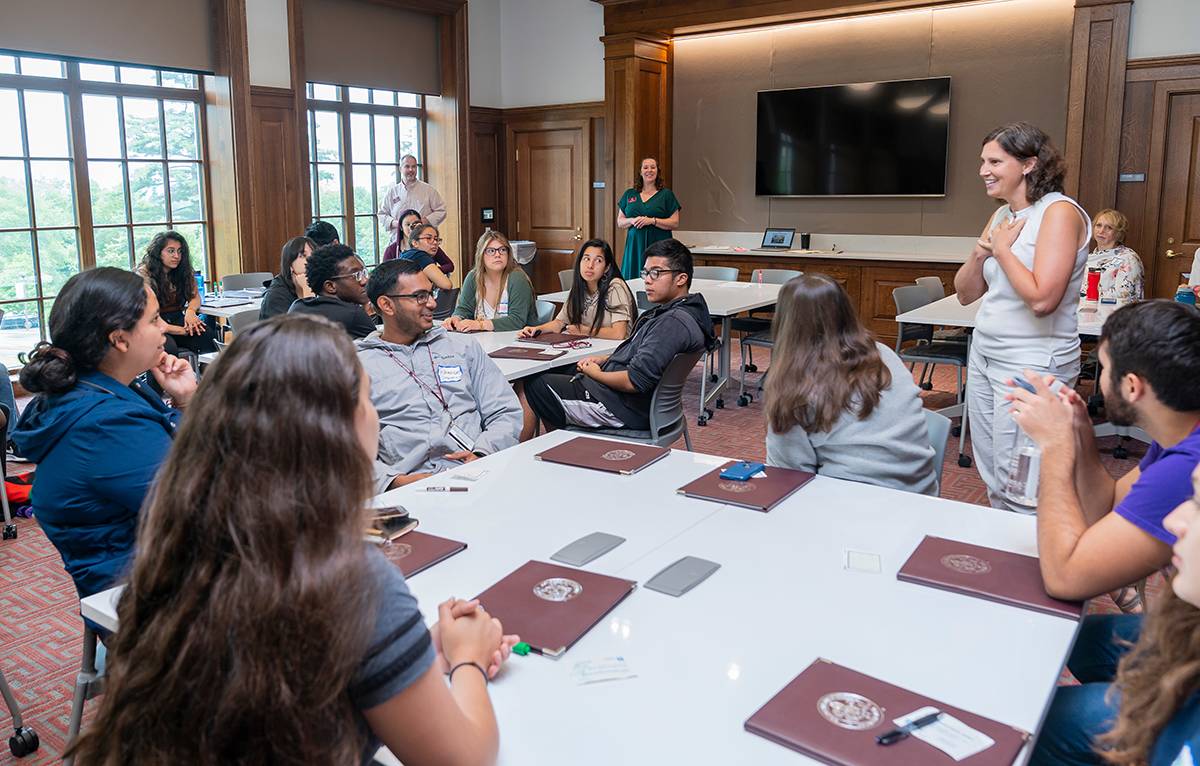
[1185,294]
[1025,463]
[200,285]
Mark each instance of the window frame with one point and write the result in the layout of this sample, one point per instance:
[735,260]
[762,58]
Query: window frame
[344,108]
[74,87]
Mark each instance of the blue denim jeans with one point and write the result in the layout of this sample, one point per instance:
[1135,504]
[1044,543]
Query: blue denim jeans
[1078,714]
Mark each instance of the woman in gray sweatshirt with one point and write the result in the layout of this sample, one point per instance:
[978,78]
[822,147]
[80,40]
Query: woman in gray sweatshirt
[837,402]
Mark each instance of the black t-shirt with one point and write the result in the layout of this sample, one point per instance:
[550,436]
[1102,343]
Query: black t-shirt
[349,315]
[277,299]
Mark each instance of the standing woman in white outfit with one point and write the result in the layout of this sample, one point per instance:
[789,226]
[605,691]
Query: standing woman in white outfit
[1027,267]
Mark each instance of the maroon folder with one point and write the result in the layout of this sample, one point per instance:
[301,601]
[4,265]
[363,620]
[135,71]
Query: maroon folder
[519,352]
[552,606]
[550,338]
[756,494]
[416,551]
[604,455]
[833,714]
[987,573]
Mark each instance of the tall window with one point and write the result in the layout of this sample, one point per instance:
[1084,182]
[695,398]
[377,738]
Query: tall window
[356,137]
[94,160]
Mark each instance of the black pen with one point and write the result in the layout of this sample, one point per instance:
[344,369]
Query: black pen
[897,734]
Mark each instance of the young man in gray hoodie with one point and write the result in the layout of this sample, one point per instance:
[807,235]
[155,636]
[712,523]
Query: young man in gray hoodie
[441,400]
[615,391]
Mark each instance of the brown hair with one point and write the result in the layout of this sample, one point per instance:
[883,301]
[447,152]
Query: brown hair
[1027,141]
[249,608]
[1118,220]
[488,237]
[825,361]
[637,175]
[1154,679]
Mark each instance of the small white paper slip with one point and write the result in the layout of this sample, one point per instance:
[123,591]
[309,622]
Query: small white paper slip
[948,734]
[602,669]
[759,475]
[473,474]
[861,561]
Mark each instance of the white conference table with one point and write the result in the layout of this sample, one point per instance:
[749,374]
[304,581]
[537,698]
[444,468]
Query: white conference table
[781,599]
[725,300]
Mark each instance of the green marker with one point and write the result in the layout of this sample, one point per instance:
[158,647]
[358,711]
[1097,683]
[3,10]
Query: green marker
[521,648]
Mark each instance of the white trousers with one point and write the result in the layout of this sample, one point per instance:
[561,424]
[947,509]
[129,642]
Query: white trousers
[993,431]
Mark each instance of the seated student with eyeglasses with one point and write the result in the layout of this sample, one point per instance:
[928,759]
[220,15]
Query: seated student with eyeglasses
[496,294]
[441,400]
[615,391]
[425,241]
[338,280]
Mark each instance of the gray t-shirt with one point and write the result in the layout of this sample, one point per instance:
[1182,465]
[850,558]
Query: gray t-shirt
[889,448]
[400,651]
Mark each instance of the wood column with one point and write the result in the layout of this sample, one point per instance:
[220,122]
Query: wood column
[1099,49]
[637,112]
[448,123]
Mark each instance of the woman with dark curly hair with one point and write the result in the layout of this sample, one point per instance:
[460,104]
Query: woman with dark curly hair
[167,269]
[1026,266]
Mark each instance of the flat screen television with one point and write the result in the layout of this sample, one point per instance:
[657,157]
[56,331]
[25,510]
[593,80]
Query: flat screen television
[867,139]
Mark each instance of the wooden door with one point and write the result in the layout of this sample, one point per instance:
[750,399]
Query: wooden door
[1177,110]
[552,193]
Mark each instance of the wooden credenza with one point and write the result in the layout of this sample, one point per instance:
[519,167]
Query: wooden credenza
[868,282]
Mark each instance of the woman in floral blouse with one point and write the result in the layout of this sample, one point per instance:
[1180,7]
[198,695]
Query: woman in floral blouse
[1121,273]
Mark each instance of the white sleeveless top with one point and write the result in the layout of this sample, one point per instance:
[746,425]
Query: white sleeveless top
[1005,327]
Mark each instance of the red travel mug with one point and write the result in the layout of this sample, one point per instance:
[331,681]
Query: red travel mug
[1093,285]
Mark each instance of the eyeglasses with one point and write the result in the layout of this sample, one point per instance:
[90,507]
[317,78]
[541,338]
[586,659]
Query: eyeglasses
[655,273]
[573,344]
[493,250]
[420,296]
[429,238]
[360,275]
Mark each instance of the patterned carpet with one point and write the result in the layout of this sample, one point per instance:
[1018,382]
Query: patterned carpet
[41,630]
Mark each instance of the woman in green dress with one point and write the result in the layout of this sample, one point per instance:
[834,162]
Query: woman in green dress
[649,212]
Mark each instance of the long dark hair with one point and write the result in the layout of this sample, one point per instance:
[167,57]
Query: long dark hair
[249,606]
[91,305]
[578,295]
[826,362]
[401,234]
[293,249]
[1155,679]
[180,282]
[1025,141]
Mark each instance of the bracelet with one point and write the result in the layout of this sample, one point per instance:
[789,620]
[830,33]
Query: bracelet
[475,665]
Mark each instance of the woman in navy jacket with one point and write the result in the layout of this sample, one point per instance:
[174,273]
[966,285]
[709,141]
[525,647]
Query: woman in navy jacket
[97,434]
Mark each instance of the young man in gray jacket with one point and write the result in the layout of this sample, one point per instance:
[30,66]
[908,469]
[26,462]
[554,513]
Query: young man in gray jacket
[441,400]
[615,391]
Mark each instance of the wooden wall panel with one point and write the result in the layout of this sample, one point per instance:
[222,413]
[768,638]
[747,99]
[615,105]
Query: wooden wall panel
[277,182]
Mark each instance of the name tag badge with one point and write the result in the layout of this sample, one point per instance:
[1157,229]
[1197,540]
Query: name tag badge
[449,373]
[461,438]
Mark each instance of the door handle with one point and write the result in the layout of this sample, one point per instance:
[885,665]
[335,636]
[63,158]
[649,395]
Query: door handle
[1173,254]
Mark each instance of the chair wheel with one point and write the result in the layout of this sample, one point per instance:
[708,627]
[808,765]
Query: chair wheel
[1120,453]
[10,531]
[964,461]
[713,378]
[927,385]
[956,430]
[750,367]
[702,420]
[743,400]
[720,404]
[23,742]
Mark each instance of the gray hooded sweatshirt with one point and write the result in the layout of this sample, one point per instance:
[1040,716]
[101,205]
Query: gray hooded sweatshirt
[413,425]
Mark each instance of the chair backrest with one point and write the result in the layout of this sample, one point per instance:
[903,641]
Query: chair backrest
[723,273]
[242,281]
[564,278]
[908,298]
[220,344]
[446,301]
[643,302]
[666,403]
[938,426]
[933,287]
[774,276]
[243,319]
[545,311]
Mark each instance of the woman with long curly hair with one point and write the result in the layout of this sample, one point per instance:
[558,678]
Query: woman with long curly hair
[167,269]
[839,403]
[257,626]
[599,303]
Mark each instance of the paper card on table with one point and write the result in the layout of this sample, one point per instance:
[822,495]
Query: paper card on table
[987,573]
[861,561]
[833,714]
[550,607]
[604,455]
[948,734]
[757,494]
[603,669]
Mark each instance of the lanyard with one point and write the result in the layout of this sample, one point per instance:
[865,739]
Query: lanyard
[412,374]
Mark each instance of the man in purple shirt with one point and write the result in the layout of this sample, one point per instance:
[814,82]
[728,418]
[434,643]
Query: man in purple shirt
[1096,533]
